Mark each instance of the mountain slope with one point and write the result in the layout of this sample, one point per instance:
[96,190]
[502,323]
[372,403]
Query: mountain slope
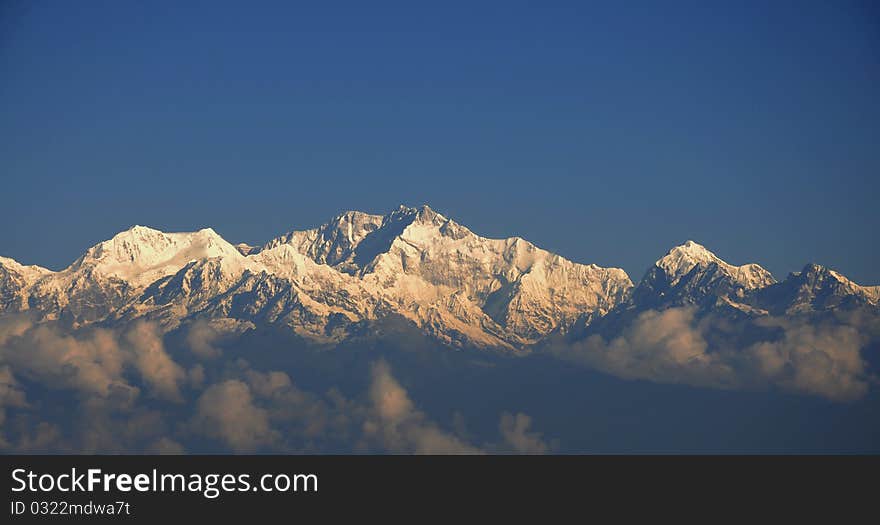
[15,281]
[689,274]
[141,255]
[816,288]
[420,258]
[458,287]
[340,279]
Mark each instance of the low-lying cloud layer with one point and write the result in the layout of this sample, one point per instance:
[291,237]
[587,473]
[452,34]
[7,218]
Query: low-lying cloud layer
[96,362]
[821,358]
[127,390]
[99,390]
[395,423]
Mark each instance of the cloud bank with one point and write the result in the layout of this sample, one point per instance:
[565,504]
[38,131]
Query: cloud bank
[129,390]
[821,358]
[100,390]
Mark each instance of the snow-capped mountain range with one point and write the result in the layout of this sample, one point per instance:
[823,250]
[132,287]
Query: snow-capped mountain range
[456,286]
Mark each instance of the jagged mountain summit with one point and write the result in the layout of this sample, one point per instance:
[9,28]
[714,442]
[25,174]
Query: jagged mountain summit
[434,266]
[461,288]
[816,288]
[692,275]
[337,280]
[681,260]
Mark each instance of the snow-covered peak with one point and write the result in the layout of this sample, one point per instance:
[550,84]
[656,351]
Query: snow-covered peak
[351,240]
[412,262]
[140,255]
[330,243]
[28,272]
[417,258]
[525,289]
[682,259]
[423,213]
[815,277]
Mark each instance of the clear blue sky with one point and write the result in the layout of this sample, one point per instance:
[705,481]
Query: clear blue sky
[602,132]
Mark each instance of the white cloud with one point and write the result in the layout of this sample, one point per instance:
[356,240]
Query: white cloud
[226,411]
[154,364]
[816,359]
[202,338]
[244,409]
[399,426]
[673,346]
[515,431]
